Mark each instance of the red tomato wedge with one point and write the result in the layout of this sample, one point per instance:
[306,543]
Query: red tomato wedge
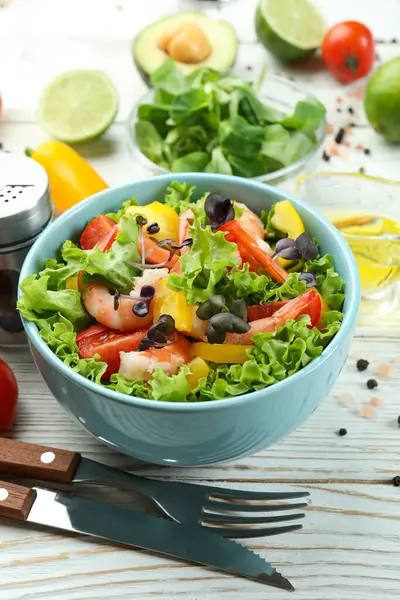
[95,230]
[313,308]
[248,246]
[108,343]
[8,396]
[260,311]
[108,239]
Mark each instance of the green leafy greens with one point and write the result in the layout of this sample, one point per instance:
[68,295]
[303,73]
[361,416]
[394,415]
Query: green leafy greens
[209,122]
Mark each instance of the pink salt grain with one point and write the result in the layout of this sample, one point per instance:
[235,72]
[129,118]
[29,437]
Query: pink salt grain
[375,401]
[367,412]
[348,400]
[383,370]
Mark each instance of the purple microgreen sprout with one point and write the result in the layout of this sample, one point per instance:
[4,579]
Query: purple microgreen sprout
[147,291]
[306,246]
[159,334]
[309,278]
[153,228]
[290,253]
[218,211]
[141,221]
[141,308]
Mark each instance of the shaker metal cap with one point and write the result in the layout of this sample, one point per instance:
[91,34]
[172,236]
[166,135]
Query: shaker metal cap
[25,205]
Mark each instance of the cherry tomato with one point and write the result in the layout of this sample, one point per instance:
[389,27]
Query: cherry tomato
[95,230]
[313,309]
[348,50]
[8,396]
[99,339]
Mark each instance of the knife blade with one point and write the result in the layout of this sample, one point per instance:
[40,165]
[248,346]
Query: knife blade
[69,512]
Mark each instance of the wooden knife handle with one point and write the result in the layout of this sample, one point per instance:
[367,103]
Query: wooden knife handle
[37,462]
[15,500]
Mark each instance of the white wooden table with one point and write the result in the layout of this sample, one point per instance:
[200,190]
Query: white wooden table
[350,545]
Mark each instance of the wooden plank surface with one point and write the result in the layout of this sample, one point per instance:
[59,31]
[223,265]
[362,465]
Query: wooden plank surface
[349,547]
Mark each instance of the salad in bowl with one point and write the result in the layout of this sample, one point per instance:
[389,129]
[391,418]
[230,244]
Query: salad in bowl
[187,300]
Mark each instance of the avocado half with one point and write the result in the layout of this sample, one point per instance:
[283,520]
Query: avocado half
[220,34]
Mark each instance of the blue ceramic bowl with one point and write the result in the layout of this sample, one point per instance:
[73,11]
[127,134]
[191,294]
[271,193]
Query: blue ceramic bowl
[209,432]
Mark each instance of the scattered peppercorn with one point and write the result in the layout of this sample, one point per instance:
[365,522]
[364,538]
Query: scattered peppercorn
[342,431]
[249,68]
[372,383]
[398,420]
[395,41]
[362,364]
[326,156]
[340,135]
[352,124]
[351,110]
[367,151]
[361,170]
[339,110]
[396,481]
[1,145]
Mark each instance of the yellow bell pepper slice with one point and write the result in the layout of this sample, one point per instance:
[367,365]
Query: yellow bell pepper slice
[169,302]
[164,215]
[198,369]
[221,353]
[72,283]
[287,220]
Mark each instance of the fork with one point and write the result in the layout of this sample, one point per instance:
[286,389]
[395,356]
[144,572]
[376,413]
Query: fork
[204,505]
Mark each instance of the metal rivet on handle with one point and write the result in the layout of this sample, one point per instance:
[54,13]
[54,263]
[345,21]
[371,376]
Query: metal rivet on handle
[3,494]
[47,457]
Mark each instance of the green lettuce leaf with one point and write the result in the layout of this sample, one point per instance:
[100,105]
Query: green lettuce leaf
[120,384]
[205,265]
[194,162]
[112,265]
[178,196]
[39,304]
[330,284]
[117,216]
[275,357]
[174,388]
[149,140]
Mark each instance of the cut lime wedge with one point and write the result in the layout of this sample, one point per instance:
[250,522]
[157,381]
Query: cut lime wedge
[289,29]
[78,105]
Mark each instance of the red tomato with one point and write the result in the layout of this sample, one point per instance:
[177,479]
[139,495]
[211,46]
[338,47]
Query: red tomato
[260,311]
[313,309]
[107,240]
[95,230]
[8,397]
[348,50]
[99,339]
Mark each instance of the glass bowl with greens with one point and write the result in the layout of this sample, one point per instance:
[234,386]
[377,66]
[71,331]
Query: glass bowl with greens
[207,122]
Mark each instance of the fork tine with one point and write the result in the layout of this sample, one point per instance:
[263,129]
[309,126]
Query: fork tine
[249,495]
[237,520]
[218,506]
[253,533]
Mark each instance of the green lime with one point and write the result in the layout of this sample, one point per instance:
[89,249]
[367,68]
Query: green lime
[382,100]
[78,105]
[289,29]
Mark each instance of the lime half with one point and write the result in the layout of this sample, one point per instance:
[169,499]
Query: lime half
[289,29]
[78,105]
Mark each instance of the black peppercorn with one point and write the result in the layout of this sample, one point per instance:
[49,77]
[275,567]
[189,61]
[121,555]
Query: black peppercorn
[361,170]
[351,110]
[396,481]
[342,431]
[367,151]
[362,364]
[326,156]
[340,135]
[398,420]
[372,383]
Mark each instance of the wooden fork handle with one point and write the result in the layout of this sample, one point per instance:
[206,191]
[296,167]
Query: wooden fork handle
[15,500]
[37,462]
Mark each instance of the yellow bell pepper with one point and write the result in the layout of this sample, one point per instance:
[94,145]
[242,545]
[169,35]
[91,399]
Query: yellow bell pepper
[71,178]
[198,369]
[221,353]
[164,215]
[287,220]
[169,302]
[72,283]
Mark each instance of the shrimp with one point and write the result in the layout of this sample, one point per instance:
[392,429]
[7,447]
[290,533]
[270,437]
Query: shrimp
[99,303]
[141,365]
[291,310]
[252,224]
[156,255]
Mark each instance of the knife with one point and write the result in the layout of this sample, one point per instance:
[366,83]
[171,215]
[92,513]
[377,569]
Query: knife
[67,511]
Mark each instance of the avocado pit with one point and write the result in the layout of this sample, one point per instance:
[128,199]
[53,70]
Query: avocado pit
[186,43]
